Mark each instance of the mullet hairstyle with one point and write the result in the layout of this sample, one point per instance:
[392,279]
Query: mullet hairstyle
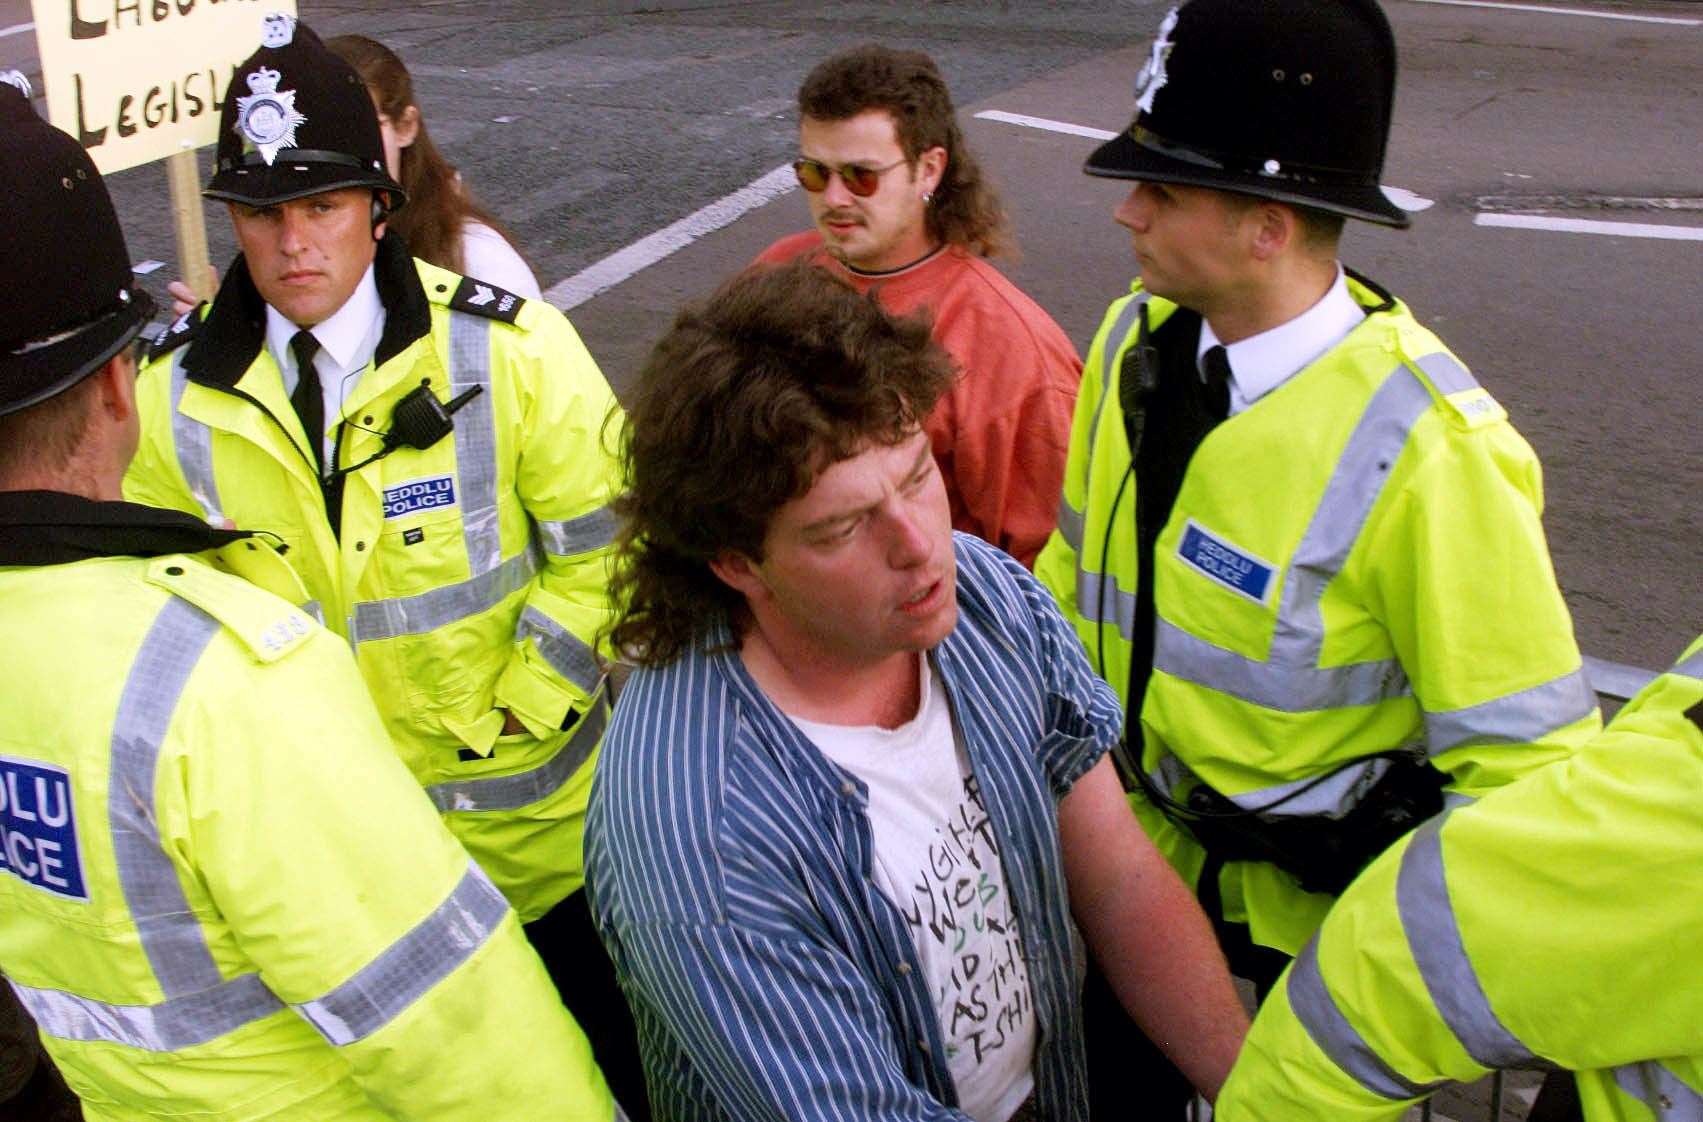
[438,203]
[748,398]
[966,210]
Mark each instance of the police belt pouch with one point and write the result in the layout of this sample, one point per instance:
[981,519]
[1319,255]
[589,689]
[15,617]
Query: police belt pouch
[1324,854]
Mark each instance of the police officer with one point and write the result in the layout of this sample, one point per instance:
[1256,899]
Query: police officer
[1297,535]
[432,451]
[221,895]
[1553,922]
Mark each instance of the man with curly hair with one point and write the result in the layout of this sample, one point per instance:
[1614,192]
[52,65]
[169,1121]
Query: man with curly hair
[855,803]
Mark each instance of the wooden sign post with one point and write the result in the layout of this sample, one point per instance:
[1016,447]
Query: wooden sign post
[189,219]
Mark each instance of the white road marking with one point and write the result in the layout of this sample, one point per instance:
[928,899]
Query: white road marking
[647,251]
[1591,226]
[1044,123]
[1629,16]
[15,29]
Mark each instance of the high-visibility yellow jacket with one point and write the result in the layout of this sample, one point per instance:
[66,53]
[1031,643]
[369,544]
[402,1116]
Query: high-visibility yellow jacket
[222,896]
[469,577]
[1554,920]
[1355,564]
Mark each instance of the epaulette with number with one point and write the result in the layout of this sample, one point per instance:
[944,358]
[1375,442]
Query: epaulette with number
[482,298]
[178,332]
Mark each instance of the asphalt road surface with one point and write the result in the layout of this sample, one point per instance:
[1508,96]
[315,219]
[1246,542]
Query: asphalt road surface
[591,127]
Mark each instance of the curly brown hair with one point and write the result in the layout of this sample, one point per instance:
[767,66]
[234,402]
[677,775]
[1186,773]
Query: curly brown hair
[747,399]
[966,209]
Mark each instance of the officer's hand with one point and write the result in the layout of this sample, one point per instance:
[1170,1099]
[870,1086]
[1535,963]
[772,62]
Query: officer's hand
[512,724]
[183,297]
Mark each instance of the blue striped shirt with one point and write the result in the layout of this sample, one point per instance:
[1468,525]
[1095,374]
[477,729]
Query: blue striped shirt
[729,867]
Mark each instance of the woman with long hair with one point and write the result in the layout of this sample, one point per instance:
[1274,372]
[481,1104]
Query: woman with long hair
[442,222]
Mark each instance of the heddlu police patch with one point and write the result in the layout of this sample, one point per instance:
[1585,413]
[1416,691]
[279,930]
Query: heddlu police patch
[38,828]
[419,494]
[1235,569]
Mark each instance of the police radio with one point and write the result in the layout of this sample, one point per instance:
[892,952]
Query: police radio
[419,420]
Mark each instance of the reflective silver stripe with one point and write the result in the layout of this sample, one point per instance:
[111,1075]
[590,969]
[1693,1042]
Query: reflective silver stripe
[411,966]
[170,935]
[1121,328]
[561,648]
[200,1004]
[1434,938]
[595,530]
[194,443]
[313,608]
[1669,1097]
[1446,373]
[1332,797]
[1089,584]
[1514,718]
[1615,679]
[1355,483]
[1291,680]
[511,792]
[1691,667]
[1100,600]
[1286,688]
[1070,524]
[430,610]
[1318,1013]
[475,441]
[170,1026]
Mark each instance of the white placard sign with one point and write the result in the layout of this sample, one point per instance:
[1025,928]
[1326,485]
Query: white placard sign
[139,80]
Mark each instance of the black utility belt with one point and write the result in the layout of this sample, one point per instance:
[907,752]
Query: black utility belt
[1324,854]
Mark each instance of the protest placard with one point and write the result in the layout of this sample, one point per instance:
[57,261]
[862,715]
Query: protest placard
[137,80]
[141,80]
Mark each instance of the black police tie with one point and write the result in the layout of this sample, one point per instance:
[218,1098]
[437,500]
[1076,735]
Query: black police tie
[1215,363]
[308,400]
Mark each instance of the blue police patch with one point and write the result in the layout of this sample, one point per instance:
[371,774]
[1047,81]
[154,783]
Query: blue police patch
[38,828]
[419,494]
[1235,569]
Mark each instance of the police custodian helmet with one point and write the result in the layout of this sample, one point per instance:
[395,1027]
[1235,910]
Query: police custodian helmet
[70,302]
[1284,99]
[305,124]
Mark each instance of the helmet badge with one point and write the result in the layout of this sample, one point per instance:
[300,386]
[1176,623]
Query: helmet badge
[1153,77]
[267,118]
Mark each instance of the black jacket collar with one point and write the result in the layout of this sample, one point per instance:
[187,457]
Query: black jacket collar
[53,528]
[235,328]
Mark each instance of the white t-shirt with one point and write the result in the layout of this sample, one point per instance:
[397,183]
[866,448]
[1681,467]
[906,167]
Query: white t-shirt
[486,255]
[937,860]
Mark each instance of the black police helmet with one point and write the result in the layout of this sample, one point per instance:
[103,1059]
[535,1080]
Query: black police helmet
[1284,99]
[297,121]
[70,299]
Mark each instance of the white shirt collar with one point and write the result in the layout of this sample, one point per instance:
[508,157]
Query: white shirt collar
[348,338]
[1261,363]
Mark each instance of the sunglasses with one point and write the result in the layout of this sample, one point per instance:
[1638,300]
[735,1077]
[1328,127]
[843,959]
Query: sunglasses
[813,176]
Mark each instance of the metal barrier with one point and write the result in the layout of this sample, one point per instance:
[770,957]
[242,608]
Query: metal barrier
[1495,1112]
